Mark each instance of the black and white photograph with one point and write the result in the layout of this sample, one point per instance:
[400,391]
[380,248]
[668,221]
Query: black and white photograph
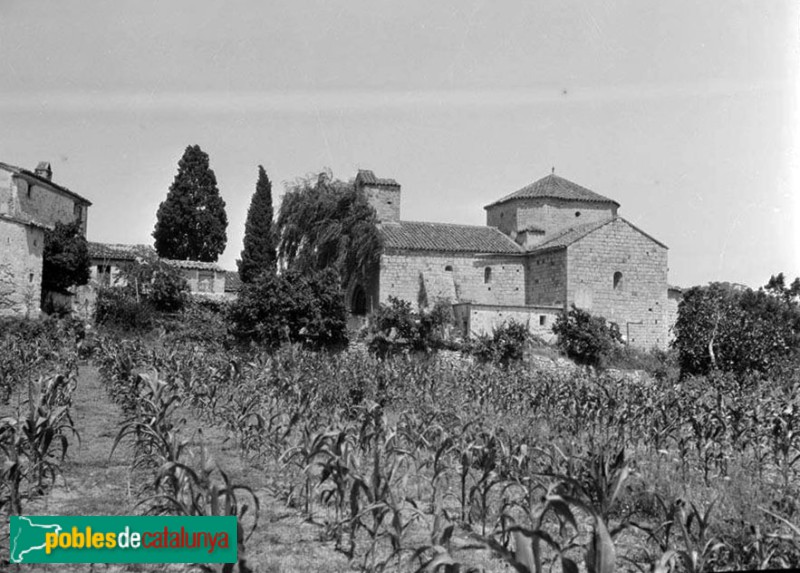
[332,286]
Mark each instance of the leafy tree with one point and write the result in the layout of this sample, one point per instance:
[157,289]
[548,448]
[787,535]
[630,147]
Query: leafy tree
[259,253]
[585,338]
[66,260]
[738,330]
[324,223]
[291,307]
[191,222]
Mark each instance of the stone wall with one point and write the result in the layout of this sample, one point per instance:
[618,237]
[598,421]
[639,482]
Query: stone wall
[637,300]
[21,249]
[503,217]
[30,199]
[385,201]
[547,278]
[456,277]
[550,215]
[554,215]
[478,319]
[673,300]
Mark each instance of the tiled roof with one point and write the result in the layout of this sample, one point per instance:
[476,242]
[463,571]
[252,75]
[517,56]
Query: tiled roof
[555,187]
[232,281]
[31,174]
[120,252]
[199,265]
[416,236]
[574,234]
[367,177]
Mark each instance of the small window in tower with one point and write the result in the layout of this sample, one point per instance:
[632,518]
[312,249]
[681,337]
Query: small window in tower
[617,280]
[30,277]
[487,275]
[577,213]
[449,268]
[542,320]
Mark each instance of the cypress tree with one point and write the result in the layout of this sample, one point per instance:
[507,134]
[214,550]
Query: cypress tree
[191,222]
[258,254]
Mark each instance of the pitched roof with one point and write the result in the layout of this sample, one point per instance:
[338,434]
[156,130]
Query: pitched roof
[20,171]
[447,237]
[555,187]
[572,235]
[367,177]
[120,252]
[199,265]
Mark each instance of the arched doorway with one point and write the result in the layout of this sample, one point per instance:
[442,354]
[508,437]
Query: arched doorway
[358,301]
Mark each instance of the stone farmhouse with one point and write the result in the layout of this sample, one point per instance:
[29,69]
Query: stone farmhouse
[30,203]
[545,247]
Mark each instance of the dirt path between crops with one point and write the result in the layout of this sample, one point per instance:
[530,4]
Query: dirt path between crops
[95,484]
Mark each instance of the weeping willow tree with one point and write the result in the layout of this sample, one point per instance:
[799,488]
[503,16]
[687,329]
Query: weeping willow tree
[325,223]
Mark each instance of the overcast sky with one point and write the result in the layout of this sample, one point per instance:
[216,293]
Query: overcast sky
[685,112]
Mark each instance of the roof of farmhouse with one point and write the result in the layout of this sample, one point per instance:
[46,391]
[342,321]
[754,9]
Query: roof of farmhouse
[555,187]
[446,237]
[120,252]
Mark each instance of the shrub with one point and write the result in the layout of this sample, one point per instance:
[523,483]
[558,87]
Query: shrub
[395,327]
[168,290]
[505,345]
[118,308]
[585,338]
[291,307]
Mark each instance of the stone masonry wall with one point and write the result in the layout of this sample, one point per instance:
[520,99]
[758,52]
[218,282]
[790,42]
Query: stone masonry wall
[551,215]
[547,278]
[400,277]
[42,204]
[554,215]
[385,201]
[21,249]
[503,217]
[673,300]
[639,302]
[483,319]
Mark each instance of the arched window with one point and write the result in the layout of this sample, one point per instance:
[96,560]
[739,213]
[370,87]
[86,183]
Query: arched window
[358,303]
[617,280]
[487,275]
[449,268]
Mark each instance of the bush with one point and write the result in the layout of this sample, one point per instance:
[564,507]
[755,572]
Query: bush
[396,328]
[585,338]
[291,307]
[116,307]
[506,345]
[168,290]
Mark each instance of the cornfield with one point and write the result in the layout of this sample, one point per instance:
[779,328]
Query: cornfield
[439,466]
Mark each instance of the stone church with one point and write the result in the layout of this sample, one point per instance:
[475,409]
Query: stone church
[545,247]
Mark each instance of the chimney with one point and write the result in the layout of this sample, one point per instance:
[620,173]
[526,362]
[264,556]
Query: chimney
[44,171]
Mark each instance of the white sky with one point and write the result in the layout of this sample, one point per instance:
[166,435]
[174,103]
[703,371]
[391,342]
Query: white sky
[685,112]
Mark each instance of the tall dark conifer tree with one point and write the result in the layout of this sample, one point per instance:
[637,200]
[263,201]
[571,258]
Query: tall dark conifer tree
[258,254]
[192,221]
